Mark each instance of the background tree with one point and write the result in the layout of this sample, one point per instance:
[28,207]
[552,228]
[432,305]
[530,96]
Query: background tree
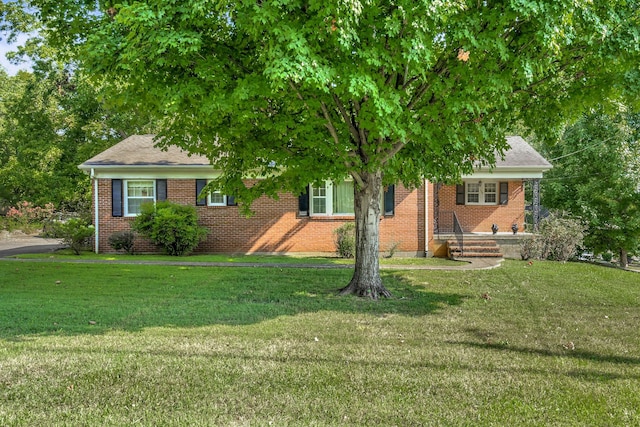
[596,177]
[52,121]
[378,91]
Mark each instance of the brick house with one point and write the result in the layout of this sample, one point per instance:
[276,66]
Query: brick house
[415,221]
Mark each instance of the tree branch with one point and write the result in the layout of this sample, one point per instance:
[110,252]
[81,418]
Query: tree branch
[347,119]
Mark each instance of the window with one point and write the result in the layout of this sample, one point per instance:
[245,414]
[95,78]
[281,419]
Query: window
[216,198]
[332,198]
[337,198]
[136,193]
[319,199]
[482,193]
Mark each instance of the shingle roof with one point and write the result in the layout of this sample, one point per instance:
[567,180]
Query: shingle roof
[140,150]
[521,154]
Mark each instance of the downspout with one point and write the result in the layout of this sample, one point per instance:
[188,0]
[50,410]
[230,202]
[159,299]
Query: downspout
[96,213]
[426,217]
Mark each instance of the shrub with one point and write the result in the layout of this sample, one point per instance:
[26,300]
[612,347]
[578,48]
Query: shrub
[345,240]
[27,217]
[558,238]
[122,240]
[74,232]
[172,226]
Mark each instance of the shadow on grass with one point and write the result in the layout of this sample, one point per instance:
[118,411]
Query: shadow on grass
[68,299]
[575,354]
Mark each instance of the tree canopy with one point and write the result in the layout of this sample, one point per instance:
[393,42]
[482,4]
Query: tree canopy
[597,178]
[50,122]
[299,91]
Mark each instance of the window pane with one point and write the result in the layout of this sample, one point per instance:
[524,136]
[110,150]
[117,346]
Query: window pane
[319,199]
[490,193]
[140,188]
[319,205]
[217,198]
[343,197]
[134,205]
[139,192]
[473,193]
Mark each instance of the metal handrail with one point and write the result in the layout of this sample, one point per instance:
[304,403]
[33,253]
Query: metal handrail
[457,229]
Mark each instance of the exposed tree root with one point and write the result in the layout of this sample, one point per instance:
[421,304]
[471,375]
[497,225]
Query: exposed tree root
[368,290]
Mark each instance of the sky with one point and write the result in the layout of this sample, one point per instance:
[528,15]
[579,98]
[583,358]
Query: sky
[12,69]
[5,47]
[4,62]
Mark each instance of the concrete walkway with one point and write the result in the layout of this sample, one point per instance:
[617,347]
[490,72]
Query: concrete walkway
[18,243]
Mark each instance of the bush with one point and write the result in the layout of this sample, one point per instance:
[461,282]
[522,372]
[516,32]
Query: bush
[345,240]
[74,232]
[172,226]
[122,240]
[558,239]
[530,247]
[27,217]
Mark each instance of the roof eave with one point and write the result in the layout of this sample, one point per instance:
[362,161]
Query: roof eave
[509,172]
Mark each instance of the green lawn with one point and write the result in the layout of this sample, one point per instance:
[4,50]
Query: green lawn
[95,344]
[68,255]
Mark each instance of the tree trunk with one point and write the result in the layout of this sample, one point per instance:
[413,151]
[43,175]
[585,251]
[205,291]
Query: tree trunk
[366,280]
[624,259]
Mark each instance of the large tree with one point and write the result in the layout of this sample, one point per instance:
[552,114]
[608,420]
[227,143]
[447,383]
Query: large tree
[596,177]
[379,91]
[51,121]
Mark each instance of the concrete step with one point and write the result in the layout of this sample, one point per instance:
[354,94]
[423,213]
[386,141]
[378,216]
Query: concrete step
[476,248]
[476,255]
[474,243]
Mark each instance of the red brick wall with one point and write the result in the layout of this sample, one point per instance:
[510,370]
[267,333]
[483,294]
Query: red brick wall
[479,218]
[275,226]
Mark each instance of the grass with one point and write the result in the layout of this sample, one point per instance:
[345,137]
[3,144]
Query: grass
[95,344]
[67,254]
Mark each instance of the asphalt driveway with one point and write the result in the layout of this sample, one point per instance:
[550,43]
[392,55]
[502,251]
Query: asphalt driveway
[15,243]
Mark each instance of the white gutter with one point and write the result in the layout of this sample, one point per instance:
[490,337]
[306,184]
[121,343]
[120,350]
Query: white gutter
[96,212]
[426,218]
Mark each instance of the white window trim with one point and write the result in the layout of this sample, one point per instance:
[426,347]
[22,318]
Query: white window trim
[125,197]
[328,202]
[210,203]
[328,185]
[481,194]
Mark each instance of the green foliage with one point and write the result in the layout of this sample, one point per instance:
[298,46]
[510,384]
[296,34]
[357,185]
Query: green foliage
[50,121]
[558,239]
[345,240]
[27,217]
[384,92]
[325,90]
[74,232]
[172,226]
[596,177]
[122,240]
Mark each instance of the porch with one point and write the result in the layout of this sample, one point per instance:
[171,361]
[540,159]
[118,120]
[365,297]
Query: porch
[506,245]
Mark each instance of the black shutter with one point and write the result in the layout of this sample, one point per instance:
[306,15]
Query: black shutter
[390,200]
[161,189]
[231,201]
[460,194]
[303,203]
[116,197]
[504,193]
[200,184]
